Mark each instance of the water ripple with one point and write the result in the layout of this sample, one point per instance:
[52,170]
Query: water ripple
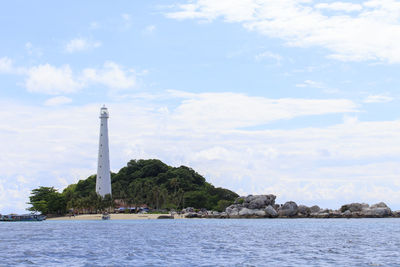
[296,242]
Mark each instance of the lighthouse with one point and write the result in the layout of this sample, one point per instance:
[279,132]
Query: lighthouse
[103,180]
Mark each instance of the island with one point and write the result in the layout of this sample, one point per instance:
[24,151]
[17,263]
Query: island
[150,188]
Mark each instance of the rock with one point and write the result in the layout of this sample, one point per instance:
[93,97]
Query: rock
[364,206]
[315,209]
[335,214]
[379,205]
[233,209]
[239,200]
[224,215]
[245,212]
[304,210]
[188,209]
[165,217]
[396,213]
[260,213]
[192,215]
[258,201]
[377,212]
[347,213]
[288,209]
[352,207]
[322,215]
[271,212]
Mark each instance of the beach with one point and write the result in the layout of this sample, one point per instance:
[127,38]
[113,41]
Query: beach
[116,216]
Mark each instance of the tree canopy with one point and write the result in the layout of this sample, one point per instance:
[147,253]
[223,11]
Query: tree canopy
[149,182]
[47,200]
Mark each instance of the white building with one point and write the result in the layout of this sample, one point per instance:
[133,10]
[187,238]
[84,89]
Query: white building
[103,180]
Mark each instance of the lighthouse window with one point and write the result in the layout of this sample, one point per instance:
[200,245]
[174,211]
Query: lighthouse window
[101,124]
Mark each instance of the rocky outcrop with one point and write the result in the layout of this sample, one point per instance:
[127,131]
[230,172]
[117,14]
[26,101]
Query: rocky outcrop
[352,207]
[259,201]
[252,206]
[264,206]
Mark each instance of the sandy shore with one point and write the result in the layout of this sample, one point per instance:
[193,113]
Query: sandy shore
[117,216]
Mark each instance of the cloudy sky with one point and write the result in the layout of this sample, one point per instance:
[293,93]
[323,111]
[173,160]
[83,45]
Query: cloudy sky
[293,97]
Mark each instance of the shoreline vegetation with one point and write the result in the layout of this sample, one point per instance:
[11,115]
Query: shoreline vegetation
[150,189]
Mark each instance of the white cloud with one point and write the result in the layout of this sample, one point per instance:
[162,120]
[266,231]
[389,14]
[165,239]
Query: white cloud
[80,44]
[340,6]
[269,55]
[111,75]
[351,161]
[378,99]
[51,80]
[231,110]
[6,65]
[58,100]
[369,33]
[150,29]
[310,83]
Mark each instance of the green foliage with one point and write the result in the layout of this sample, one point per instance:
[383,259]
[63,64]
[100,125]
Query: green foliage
[197,199]
[223,204]
[149,182]
[47,200]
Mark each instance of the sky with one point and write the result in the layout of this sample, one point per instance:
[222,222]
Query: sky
[298,98]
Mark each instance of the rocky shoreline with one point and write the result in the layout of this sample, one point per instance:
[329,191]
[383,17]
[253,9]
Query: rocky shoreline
[264,206]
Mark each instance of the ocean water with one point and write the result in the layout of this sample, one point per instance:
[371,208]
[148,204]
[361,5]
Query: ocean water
[202,242]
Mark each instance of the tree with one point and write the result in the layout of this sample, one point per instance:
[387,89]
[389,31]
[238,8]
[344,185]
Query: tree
[196,199]
[140,182]
[47,200]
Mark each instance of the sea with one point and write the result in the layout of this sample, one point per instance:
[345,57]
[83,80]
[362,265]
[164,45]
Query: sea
[202,242]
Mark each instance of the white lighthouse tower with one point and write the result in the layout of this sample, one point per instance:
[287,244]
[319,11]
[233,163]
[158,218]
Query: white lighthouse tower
[103,181]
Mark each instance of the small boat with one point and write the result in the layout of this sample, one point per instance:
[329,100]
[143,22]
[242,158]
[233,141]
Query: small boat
[22,218]
[105,216]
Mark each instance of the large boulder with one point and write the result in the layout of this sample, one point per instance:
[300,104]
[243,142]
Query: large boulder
[304,210]
[232,211]
[353,207]
[379,205]
[377,210]
[258,201]
[260,213]
[288,209]
[271,212]
[314,209]
[245,212]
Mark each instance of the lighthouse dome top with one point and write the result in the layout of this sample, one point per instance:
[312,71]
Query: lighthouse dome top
[104,112]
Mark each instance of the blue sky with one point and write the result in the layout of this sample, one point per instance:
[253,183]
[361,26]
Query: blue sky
[294,97]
